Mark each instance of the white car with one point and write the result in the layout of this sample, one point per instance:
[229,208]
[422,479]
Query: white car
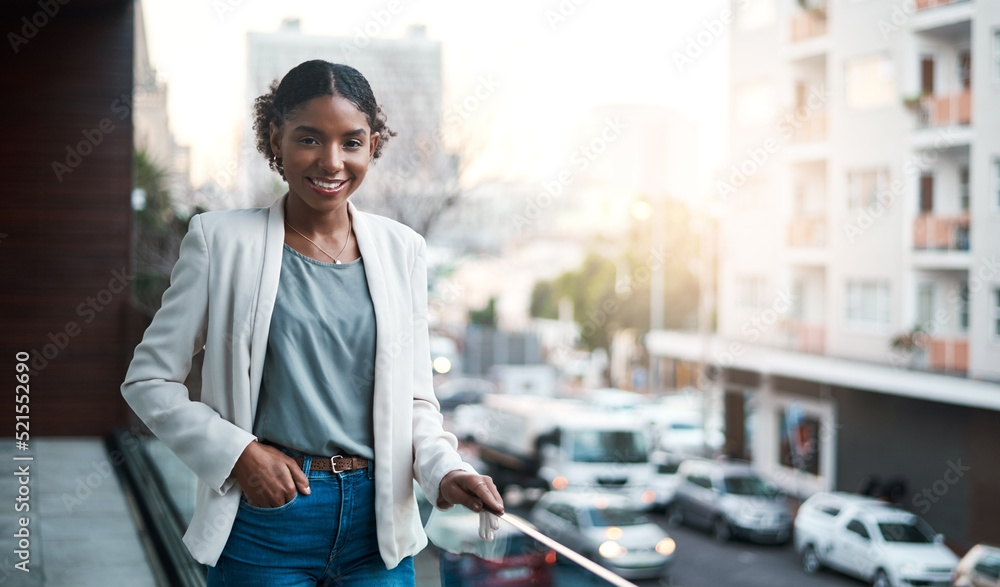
[871,540]
[608,529]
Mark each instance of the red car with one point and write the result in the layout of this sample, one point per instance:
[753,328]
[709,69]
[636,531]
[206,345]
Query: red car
[510,560]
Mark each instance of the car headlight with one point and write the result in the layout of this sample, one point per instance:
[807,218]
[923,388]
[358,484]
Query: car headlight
[611,549]
[666,546]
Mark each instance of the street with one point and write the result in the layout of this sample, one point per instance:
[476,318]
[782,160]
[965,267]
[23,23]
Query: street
[703,562]
[700,562]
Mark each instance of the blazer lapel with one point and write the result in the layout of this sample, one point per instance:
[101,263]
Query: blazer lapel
[267,291]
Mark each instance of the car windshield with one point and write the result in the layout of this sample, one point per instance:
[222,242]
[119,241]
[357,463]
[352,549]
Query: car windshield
[616,517]
[593,446]
[916,531]
[749,485]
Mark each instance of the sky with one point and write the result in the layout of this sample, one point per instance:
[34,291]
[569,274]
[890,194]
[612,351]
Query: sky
[552,62]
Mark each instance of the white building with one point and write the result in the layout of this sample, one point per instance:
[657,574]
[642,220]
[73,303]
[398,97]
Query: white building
[861,203]
[864,184]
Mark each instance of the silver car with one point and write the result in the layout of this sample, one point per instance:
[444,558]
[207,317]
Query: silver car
[729,499]
[606,528]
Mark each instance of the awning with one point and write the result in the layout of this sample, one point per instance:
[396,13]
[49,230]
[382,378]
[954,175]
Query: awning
[822,369]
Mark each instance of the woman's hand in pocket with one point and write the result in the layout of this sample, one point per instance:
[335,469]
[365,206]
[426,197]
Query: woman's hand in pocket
[268,477]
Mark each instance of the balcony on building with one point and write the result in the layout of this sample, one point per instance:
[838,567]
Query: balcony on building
[945,109]
[807,232]
[933,232]
[808,24]
[929,4]
[804,336]
[808,33]
[947,353]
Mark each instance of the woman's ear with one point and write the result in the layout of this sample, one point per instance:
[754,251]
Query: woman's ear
[372,144]
[275,139]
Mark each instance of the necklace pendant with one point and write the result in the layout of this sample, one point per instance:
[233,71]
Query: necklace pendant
[337,262]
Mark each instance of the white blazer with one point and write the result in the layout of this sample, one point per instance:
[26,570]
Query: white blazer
[221,296]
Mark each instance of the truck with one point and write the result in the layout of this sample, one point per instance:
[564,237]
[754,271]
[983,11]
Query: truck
[563,443]
[871,540]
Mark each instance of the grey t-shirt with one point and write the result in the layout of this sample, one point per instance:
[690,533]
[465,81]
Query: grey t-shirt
[319,370]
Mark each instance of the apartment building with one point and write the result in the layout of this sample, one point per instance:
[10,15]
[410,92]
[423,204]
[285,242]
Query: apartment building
[858,305]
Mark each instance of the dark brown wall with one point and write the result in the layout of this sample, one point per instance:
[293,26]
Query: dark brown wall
[946,454]
[66,240]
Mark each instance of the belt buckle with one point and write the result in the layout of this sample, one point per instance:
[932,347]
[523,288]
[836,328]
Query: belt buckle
[333,465]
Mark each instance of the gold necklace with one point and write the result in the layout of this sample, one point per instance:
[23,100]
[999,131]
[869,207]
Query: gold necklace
[336,261]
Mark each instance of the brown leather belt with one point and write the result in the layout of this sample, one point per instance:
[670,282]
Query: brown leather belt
[337,464]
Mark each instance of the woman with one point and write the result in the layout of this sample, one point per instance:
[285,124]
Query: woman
[316,410]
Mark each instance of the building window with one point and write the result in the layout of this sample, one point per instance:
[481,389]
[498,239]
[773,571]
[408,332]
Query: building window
[750,293]
[996,182]
[863,187]
[925,306]
[996,55]
[757,14]
[963,306]
[867,304]
[926,193]
[870,82]
[996,314]
[963,188]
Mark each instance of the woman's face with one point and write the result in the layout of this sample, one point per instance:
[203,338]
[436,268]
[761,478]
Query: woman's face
[325,149]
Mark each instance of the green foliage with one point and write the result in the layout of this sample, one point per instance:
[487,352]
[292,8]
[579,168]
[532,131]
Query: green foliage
[158,232]
[600,308]
[486,316]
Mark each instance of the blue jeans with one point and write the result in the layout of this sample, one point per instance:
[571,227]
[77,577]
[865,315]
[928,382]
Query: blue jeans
[325,538]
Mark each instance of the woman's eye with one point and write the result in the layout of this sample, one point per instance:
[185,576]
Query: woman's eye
[353,144]
[308,141]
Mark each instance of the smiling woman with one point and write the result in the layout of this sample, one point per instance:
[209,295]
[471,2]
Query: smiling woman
[317,411]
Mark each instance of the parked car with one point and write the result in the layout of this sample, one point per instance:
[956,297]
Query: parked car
[980,567]
[462,391]
[871,540]
[665,479]
[512,559]
[729,499]
[606,528]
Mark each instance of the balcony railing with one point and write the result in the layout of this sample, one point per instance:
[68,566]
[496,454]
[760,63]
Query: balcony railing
[941,233]
[807,337]
[927,4]
[945,109]
[808,24]
[807,232]
[948,353]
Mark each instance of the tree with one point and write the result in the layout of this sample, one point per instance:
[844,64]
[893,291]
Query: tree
[158,234]
[609,295]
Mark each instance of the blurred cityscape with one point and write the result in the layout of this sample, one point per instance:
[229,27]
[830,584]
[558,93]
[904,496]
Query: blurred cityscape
[820,317]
